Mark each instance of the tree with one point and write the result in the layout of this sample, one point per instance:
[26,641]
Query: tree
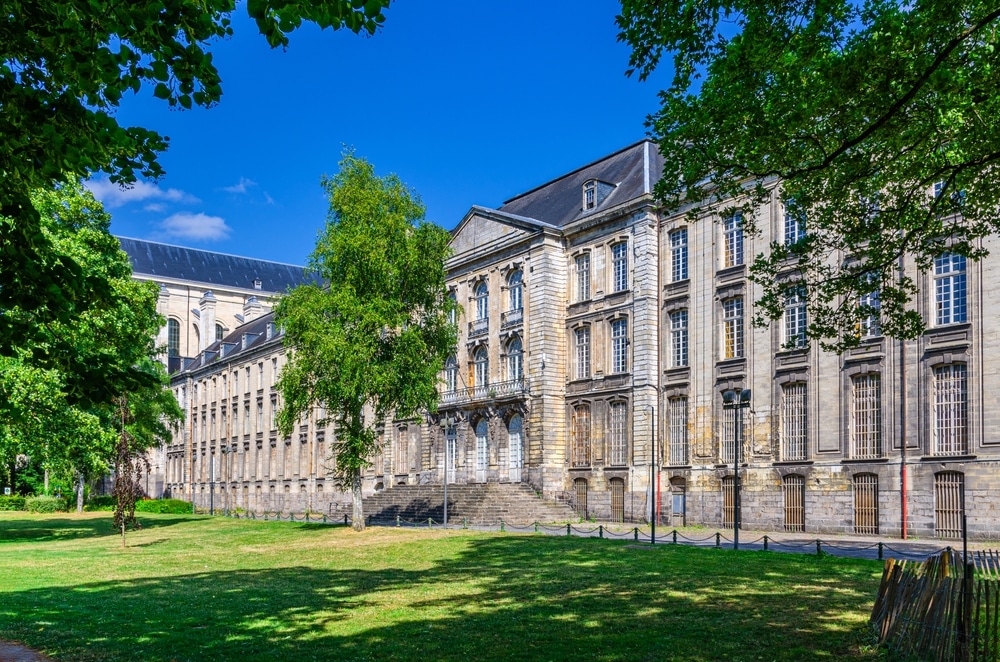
[66,419]
[64,68]
[875,122]
[372,343]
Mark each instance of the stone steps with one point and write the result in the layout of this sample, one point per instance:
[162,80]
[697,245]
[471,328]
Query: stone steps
[488,503]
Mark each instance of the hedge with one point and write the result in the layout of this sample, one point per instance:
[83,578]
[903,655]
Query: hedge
[12,503]
[44,504]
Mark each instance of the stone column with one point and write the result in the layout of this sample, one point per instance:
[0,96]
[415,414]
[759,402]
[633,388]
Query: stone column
[206,306]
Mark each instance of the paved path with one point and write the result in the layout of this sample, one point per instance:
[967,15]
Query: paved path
[11,652]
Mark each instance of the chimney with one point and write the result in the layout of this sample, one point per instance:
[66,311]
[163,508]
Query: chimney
[206,320]
[251,310]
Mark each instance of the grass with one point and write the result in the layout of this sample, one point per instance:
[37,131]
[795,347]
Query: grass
[194,588]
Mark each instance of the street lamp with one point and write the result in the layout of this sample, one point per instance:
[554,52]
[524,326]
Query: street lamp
[447,426]
[211,483]
[225,477]
[652,465]
[738,401]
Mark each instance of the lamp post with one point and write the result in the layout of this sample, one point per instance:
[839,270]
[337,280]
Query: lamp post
[225,477]
[447,425]
[211,483]
[737,401]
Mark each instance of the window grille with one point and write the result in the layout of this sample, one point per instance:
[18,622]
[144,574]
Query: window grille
[866,504]
[949,504]
[619,444]
[732,326]
[794,490]
[583,352]
[950,289]
[866,416]
[677,421]
[794,430]
[728,500]
[583,277]
[515,359]
[951,410]
[619,346]
[580,489]
[619,266]
[617,486]
[728,450]
[679,339]
[795,318]
[679,255]
[515,291]
[580,456]
[733,240]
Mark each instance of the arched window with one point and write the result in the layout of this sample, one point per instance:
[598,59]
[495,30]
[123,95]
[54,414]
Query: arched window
[481,367]
[580,488]
[581,436]
[515,359]
[617,488]
[482,295]
[173,337]
[482,449]
[220,332]
[515,445]
[514,290]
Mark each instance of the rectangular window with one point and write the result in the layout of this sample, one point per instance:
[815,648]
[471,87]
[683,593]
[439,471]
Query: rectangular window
[677,422]
[732,328]
[274,413]
[260,415]
[795,224]
[619,266]
[679,339]
[949,289]
[583,352]
[949,504]
[583,277]
[274,370]
[728,501]
[246,418]
[728,451]
[951,410]
[618,443]
[794,490]
[732,228]
[866,416]
[871,325]
[678,255]
[795,318]
[619,346]
[260,375]
[581,436]
[793,422]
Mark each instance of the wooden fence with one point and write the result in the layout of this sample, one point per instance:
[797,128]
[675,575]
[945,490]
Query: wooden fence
[939,609]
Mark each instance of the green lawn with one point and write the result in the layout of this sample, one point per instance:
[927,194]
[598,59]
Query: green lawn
[195,588]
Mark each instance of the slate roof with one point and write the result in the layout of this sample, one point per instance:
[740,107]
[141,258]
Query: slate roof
[254,330]
[633,170]
[156,260]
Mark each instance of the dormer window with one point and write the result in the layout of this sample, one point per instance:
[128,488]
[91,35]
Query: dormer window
[257,284]
[590,194]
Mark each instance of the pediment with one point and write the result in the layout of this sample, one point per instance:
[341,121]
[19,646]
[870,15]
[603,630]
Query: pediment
[483,230]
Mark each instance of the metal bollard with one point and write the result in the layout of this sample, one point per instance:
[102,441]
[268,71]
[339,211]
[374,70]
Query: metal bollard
[600,530]
[345,519]
[675,536]
[536,526]
[567,529]
[502,530]
[465,522]
[397,520]
[880,551]
[819,547]
[635,533]
[765,543]
[718,539]
[429,522]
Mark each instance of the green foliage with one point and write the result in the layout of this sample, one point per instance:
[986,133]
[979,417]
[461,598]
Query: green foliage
[371,344]
[44,503]
[163,506]
[850,112]
[12,503]
[64,69]
[104,502]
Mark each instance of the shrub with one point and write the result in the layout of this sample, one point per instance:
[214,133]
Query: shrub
[12,503]
[170,506]
[44,503]
[104,502]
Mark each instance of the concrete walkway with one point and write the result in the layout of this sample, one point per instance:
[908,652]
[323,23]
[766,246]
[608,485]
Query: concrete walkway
[12,652]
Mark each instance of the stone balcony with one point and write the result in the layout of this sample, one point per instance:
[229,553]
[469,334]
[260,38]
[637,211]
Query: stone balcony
[511,318]
[511,388]
[479,328]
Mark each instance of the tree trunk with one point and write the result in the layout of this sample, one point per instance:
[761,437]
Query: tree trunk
[46,481]
[79,493]
[358,522]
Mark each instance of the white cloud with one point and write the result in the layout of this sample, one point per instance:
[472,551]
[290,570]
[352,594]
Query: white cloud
[268,199]
[198,227]
[155,206]
[241,187]
[113,195]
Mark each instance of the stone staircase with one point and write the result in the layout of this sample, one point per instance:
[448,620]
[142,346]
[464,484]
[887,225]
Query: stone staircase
[486,503]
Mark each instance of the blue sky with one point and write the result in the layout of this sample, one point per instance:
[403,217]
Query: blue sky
[470,103]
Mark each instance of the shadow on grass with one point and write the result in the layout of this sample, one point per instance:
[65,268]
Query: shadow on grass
[40,528]
[500,598]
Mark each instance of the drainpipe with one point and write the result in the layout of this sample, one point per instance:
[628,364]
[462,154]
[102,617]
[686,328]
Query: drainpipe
[902,423]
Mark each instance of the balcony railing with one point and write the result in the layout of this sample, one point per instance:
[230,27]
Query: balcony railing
[479,327]
[509,388]
[511,318]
